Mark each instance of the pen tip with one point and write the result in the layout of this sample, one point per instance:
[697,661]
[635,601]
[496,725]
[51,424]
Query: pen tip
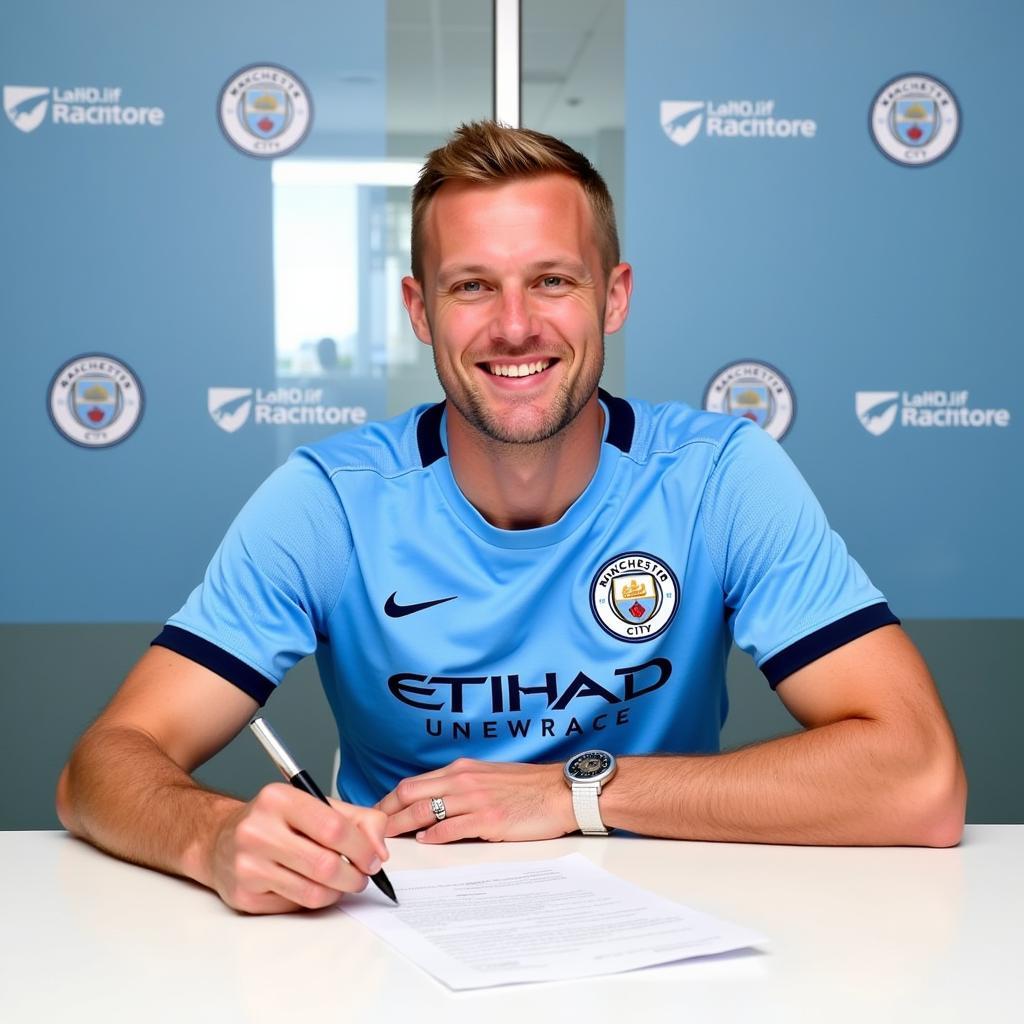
[384,884]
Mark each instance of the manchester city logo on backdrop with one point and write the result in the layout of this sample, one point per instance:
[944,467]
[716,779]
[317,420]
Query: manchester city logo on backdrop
[265,110]
[95,401]
[915,120]
[634,596]
[755,391]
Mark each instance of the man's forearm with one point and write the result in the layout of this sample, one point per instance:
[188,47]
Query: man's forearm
[122,793]
[840,784]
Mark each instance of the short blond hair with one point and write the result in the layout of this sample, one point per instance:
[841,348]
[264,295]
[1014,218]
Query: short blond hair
[487,153]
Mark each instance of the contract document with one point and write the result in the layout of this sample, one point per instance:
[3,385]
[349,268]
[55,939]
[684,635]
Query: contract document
[545,920]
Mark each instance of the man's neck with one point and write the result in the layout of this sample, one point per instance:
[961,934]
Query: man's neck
[522,486]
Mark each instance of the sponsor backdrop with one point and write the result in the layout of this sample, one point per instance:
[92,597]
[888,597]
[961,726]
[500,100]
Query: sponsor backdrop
[160,364]
[821,204]
[823,212]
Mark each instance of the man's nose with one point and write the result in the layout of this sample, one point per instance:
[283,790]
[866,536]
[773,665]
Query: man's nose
[514,321]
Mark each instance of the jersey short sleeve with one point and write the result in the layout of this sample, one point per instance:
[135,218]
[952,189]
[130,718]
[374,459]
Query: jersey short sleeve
[792,591]
[266,595]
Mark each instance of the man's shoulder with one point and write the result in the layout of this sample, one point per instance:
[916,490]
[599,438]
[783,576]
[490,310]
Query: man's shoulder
[670,426]
[388,448]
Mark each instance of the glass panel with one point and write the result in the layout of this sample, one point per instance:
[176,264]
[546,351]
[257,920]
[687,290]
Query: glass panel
[573,88]
[439,74]
[343,341]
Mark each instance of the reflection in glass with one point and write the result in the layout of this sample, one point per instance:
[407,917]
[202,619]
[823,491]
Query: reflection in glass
[340,250]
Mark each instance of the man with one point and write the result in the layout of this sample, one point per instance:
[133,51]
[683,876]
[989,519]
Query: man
[500,582]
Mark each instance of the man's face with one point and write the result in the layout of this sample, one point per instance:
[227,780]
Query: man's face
[515,303]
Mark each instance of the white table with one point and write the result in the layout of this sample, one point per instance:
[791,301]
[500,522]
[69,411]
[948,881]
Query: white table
[867,935]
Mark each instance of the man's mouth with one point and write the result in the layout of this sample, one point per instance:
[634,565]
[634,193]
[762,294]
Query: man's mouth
[518,369]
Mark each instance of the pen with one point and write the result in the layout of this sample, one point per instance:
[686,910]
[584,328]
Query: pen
[301,779]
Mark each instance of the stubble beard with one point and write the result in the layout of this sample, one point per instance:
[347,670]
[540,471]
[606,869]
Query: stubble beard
[567,404]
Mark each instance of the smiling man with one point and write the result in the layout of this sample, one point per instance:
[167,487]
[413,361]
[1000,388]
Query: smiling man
[522,599]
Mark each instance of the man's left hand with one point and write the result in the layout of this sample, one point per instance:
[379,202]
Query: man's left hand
[482,800]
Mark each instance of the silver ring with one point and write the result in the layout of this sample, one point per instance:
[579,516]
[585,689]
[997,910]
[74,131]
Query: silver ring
[437,806]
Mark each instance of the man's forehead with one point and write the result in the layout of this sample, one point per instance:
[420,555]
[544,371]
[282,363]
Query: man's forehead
[552,205]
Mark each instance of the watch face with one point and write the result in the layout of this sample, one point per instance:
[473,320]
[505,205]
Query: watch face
[588,765]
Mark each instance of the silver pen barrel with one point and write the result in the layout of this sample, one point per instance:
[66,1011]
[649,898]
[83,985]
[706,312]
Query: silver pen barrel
[274,748]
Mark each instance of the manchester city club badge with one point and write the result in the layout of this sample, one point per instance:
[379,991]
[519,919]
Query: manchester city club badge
[915,120]
[265,110]
[634,596]
[755,391]
[95,401]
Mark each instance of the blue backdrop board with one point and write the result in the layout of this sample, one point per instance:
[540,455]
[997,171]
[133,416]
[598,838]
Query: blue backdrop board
[824,212]
[162,355]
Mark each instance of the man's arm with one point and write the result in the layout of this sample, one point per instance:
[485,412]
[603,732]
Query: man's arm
[876,765]
[127,789]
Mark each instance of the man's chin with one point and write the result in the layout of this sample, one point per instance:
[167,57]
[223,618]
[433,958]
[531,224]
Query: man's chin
[519,434]
[525,426]
[516,426]
[525,421]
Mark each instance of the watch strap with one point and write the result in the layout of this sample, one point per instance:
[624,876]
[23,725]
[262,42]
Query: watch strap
[587,810]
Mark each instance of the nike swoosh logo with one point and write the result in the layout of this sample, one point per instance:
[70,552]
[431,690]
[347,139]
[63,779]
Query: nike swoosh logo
[395,610]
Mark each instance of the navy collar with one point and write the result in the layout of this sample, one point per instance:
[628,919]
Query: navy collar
[621,425]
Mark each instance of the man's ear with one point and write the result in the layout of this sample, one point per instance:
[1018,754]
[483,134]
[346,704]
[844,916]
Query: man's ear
[412,296]
[620,288]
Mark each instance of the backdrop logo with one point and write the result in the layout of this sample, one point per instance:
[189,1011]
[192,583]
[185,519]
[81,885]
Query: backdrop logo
[682,121]
[877,410]
[754,391]
[26,105]
[230,408]
[95,401]
[915,120]
[634,596]
[265,110]
[87,105]
[880,410]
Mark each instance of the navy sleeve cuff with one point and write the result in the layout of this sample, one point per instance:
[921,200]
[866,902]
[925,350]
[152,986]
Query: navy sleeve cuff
[210,656]
[821,642]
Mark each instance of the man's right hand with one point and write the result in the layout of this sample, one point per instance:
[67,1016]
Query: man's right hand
[128,789]
[285,851]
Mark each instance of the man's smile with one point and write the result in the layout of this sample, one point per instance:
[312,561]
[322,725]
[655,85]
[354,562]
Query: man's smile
[518,369]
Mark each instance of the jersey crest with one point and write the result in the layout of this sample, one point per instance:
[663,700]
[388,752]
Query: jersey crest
[634,596]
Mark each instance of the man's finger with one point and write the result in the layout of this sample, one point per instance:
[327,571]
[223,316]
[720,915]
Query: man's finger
[355,832]
[321,864]
[421,815]
[419,787]
[390,804]
[305,892]
[370,823]
[465,826]
[331,828]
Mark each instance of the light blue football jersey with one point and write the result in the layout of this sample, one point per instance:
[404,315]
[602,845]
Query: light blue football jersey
[438,635]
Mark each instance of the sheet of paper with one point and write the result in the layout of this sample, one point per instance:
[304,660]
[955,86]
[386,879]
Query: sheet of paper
[500,924]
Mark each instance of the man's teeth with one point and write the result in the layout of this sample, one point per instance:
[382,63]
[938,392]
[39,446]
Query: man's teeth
[522,370]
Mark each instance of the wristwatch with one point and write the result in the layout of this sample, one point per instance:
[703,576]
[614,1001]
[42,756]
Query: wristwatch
[585,774]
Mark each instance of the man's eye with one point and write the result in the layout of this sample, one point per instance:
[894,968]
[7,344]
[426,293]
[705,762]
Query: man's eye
[552,281]
[469,286]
